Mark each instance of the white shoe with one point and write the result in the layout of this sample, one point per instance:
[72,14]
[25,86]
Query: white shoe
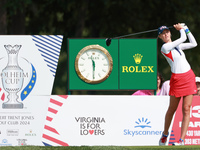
[163,140]
[179,143]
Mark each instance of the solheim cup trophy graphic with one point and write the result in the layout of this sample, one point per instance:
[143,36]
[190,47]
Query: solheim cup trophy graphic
[12,78]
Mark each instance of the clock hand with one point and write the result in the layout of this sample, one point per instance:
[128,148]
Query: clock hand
[93,64]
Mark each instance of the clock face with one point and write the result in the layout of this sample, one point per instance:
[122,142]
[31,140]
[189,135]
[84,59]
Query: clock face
[93,64]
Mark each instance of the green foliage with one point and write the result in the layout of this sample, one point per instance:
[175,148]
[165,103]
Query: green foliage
[101,19]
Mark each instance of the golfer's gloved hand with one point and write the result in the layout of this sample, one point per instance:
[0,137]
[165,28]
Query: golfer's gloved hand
[185,27]
[182,24]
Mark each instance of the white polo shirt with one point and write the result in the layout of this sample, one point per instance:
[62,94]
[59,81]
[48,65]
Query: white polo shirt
[174,54]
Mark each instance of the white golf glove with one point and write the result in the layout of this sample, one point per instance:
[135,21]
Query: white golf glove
[183,24]
[185,27]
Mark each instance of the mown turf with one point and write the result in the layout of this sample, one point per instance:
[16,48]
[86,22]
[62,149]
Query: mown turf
[100,148]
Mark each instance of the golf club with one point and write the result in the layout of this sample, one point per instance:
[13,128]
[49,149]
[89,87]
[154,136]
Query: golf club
[108,40]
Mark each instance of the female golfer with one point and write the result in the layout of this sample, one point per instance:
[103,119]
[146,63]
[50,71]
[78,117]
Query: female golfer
[182,81]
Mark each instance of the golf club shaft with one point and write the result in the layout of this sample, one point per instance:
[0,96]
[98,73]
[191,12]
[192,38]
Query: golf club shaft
[137,33]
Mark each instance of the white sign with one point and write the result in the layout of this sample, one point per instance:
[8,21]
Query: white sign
[105,120]
[28,65]
[24,126]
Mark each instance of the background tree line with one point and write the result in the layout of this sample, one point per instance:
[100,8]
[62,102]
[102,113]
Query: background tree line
[100,19]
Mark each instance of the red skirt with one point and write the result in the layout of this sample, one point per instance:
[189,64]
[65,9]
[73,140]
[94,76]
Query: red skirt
[183,84]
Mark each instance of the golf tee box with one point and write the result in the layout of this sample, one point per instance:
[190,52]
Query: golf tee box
[126,64]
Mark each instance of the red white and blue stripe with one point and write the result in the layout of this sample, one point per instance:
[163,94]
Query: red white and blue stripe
[49,47]
[50,136]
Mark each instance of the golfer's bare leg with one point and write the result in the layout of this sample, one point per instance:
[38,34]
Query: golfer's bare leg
[174,101]
[187,102]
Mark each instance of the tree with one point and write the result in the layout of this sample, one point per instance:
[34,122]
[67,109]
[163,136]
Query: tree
[100,19]
[3,16]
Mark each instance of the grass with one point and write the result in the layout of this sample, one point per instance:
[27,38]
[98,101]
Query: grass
[100,148]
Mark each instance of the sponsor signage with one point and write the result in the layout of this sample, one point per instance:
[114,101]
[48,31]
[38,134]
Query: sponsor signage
[91,60]
[128,124]
[193,133]
[120,66]
[142,128]
[28,66]
[91,125]
[71,120]
[138,64]
[12,132]
[5,142]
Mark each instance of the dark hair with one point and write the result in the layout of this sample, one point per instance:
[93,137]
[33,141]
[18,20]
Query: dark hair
[161,78]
